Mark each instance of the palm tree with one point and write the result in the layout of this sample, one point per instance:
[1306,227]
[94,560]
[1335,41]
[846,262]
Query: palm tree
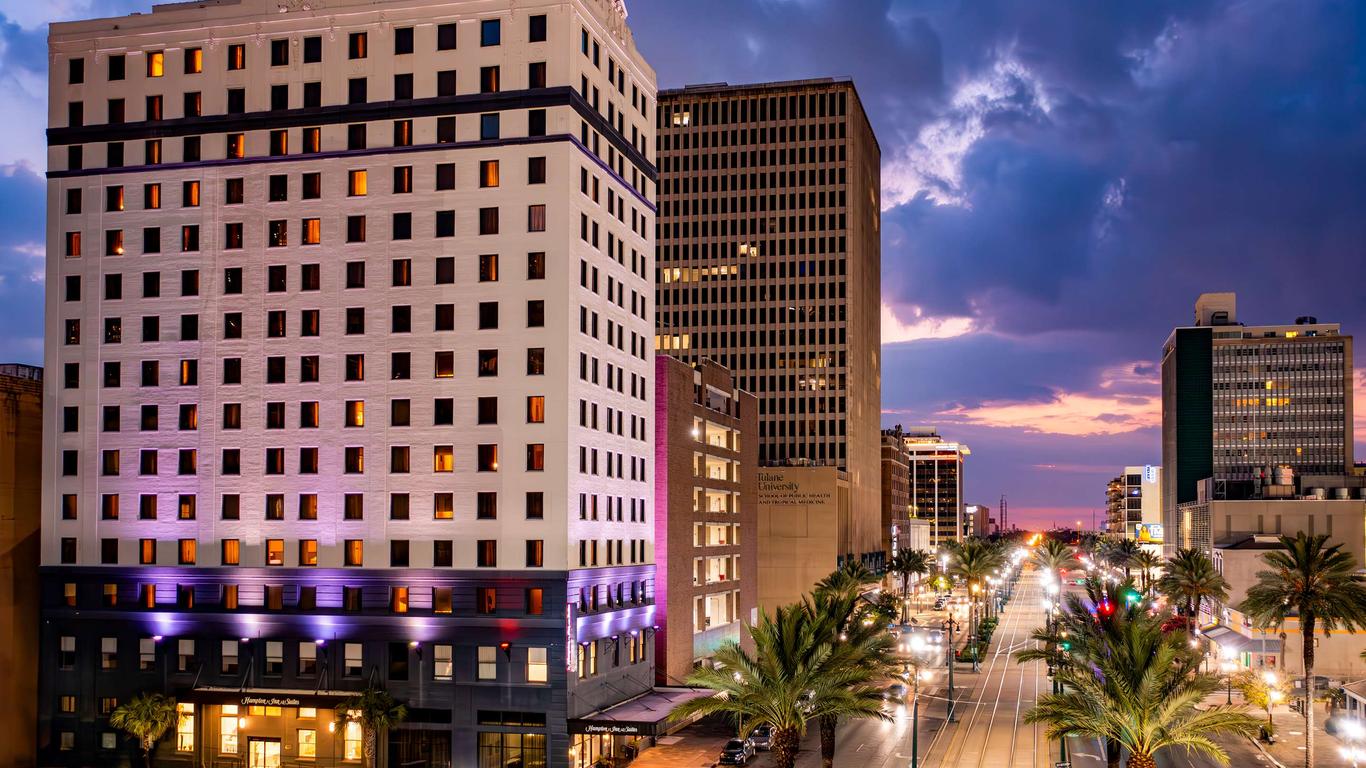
[973,560]
[1189,579]
[798,672]
[838,610]
[1318,585]
[1127,682]
[1146,562]
[376,711]
[1121,554]
[146,717]
[908,563]
[1054,555]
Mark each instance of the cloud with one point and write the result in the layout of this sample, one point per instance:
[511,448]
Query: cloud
[1067,413]
[22,259]
[895,331]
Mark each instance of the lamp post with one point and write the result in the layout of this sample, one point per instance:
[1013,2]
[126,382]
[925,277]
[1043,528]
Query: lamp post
[1229,666]
[1273,696]
[948,660]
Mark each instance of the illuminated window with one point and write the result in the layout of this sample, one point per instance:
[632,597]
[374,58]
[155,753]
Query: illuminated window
[442,666]
[188,550]
[308,552]
[354,552]
[488,173]
[227,731]
[184,729]
[443,506]
[351,737]
[535,457]
[357,183]
[355,413]
[275,551]
[236,145]
[441,600]
[232,551]
[488,662]
[237,56]
[443,458]
[194,60]
[147,551]
[308,742]
[488,458]
[537,668]
[398,599]
[156,63]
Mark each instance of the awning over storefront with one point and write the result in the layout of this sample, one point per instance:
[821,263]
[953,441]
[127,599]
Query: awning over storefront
[1227,637]
[268,697]
[645,715]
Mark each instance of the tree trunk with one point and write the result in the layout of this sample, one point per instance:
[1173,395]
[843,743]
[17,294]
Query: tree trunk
[828,723]
[785,747]
[1307,630]
[147,756]
[1113,753]
[1142,761]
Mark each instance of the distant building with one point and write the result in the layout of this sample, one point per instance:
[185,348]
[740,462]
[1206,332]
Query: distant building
[1134,506]
[1241,402]
[706,458]
[896,486]
[977,520]
[769,263]
[936,481]
[21,461]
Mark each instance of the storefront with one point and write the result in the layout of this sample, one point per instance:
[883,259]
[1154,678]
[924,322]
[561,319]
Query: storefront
[267,729]
[615,736]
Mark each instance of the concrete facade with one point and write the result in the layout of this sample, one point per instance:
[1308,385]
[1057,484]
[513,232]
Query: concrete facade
[1134,506]
[896,488]
[801,511]
[936,481]
[349,312]
[21,451]
[769,256]
[706,521]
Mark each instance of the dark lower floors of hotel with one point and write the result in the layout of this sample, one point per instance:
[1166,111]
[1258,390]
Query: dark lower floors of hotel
[266,690]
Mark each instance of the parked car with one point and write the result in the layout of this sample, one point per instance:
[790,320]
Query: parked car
[762,737]
[737,752]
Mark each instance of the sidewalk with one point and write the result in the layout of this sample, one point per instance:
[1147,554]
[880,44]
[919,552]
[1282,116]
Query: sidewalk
[1289,747]
[696,746]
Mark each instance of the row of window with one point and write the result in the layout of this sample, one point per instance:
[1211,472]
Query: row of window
[311,186]
[357,47]
[353,460]
[353,506]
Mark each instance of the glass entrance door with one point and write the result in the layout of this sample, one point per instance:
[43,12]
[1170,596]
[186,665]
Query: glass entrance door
[263,753]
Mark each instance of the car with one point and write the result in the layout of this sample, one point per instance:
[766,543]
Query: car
[762,737]
[894,692]
[737,752]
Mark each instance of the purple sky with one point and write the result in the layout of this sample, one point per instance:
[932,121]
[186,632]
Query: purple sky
[1061,178]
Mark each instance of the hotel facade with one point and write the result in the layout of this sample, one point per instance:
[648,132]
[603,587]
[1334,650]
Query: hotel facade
[349,313]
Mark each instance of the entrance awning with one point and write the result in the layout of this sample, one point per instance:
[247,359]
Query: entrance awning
[645,715]
[268,697]
[1227,637]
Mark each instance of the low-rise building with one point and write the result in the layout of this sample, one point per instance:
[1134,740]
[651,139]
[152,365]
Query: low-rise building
[21,457]
[706,462]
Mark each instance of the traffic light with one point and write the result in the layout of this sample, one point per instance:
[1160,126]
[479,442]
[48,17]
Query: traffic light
[1106,607]
[1132,596]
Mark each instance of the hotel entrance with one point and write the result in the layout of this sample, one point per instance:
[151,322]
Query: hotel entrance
[263,753]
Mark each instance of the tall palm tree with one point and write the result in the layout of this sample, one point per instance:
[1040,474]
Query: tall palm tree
[146,717]
[1147,563]
[1142,703]
[1318,585]
[973,560]
[838,610]
[1189,579]
[797,673]
[1054,555]
[377,712]
[908,563]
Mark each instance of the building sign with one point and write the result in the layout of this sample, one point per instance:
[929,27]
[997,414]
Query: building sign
[1148,533]
[1149,473]
[270,701]
[778,488]
[611,727]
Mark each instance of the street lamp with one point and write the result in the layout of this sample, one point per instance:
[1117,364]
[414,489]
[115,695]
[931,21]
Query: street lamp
[1273,697]
[1229,667]
[919,656]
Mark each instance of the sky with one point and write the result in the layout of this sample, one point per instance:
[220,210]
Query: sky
[1061,179]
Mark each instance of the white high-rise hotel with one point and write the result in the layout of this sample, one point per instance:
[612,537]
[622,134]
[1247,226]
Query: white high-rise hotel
[349,330]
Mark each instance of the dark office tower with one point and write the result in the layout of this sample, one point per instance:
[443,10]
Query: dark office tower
[1248,407]
[769,263]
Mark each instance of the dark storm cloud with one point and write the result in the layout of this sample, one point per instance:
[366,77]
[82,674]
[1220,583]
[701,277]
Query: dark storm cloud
[21,265]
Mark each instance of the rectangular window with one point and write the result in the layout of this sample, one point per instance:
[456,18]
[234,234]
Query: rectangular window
[486,554]
[490,32]
[237,56]
[194,61]
[445,37]
[537,668]
[488,662]
[184,729]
